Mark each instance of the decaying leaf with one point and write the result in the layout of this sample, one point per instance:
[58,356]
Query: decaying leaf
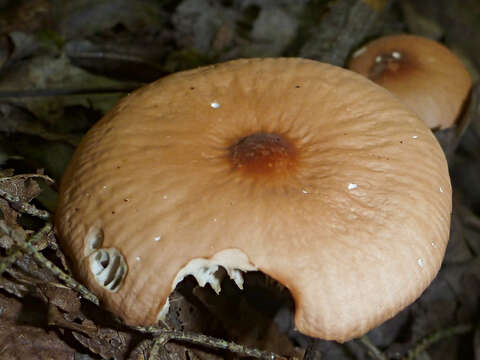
[22,342]
[107,343]
[28,342]
[16,120]
[61,296]
[56,68]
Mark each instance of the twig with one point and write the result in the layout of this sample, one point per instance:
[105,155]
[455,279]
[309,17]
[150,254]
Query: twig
[8,261]
[165,335]
[372,349]
[71,282]
[428,341]
[30,249]
[56,318]
[156,349]
[27,176]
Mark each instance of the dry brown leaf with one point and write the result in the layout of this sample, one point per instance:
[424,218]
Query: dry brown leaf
[63,297]
[9,215]
[108,343]
[17,120]
[22,187]
[28,342]
[10,309]
[29,272]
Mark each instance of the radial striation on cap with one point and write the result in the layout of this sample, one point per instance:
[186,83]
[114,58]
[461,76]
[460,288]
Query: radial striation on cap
[307,172]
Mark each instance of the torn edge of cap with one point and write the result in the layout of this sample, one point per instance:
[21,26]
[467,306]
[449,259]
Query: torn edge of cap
[205,271]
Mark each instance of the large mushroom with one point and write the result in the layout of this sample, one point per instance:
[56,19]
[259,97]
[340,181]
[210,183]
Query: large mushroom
[429,78]
[307,172]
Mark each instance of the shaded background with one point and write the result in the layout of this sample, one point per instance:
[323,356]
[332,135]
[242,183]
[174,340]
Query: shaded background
[63,64]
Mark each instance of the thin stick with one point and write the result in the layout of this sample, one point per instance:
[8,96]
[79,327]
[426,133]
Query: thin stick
[8,261]
[165,335]
[27,176]
[30,248]
[372,349]
[69,281]
[155,350]
[428,341]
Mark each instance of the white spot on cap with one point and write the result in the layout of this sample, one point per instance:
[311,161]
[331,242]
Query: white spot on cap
[214,219]
[420,262]
[215,105]
[352,186]
[396,55]
[157,238]
[359,51]
[441,190]
[165,196]
[304,191]
[138,258]
[378,59]
[415,137]
[104,186]
[433,244]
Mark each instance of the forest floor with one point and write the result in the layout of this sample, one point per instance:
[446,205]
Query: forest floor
[63,64]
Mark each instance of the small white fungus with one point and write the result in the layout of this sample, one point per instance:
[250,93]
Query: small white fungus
[165,196]
[378,59]
[352,186]
[215,105]
[214,219]
[138,258]
[433,244]
[415,137]
[420,262]
[441,190]
[304,191]
[157,238]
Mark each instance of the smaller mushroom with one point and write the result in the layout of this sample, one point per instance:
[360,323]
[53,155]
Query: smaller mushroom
[424,74]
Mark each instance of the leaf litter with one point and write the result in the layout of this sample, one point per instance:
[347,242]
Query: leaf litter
[62,67]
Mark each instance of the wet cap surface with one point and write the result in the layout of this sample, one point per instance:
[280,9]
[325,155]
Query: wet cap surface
[307,172]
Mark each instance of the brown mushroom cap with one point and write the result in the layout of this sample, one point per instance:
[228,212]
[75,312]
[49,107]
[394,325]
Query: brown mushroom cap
[307,172]
[424,74]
